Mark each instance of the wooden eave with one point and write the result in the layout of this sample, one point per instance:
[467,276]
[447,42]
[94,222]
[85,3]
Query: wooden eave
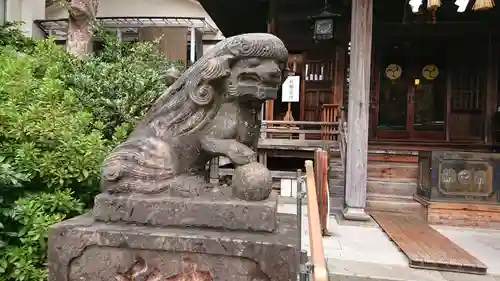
[237,17]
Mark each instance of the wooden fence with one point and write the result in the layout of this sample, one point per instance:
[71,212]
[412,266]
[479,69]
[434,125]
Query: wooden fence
[299,130]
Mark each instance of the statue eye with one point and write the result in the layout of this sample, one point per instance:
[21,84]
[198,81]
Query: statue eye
[253,62]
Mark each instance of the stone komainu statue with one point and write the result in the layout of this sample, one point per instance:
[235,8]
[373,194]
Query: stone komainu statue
[211,110]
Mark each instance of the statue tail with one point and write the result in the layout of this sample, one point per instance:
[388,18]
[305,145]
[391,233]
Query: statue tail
[138,170]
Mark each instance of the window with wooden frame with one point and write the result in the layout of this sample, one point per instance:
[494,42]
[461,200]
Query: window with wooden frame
[467,89]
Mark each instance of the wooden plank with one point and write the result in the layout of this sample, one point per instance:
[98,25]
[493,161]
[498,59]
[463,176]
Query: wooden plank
[425,247]
[305,145]
[172,43]
[393,158]
[392,171]
[321,169]
[392,188]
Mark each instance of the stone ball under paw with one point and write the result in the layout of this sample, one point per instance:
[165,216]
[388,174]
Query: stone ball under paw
[252,182]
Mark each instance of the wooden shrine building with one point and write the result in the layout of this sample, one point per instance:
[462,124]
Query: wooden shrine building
[406,96]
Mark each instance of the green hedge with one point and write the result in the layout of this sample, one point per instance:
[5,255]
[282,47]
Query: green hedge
[59,117]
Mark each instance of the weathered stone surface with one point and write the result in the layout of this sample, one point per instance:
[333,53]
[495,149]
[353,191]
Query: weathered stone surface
[252,182]
[82,249]
[161,210]
[212,109]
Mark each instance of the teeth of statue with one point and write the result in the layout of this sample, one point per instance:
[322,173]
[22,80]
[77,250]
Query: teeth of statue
[462,5]
[415,5]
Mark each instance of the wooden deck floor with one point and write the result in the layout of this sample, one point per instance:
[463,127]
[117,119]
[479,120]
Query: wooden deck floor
[425,247]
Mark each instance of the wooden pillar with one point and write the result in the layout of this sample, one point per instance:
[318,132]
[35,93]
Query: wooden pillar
[271,28]
[491,90]
[339,77]
[357,120]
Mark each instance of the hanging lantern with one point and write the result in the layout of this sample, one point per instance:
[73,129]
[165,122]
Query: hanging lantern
[482,5]
[324,24]
[432,5]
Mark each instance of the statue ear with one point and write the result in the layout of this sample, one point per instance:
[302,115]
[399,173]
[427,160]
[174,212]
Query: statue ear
[217,68]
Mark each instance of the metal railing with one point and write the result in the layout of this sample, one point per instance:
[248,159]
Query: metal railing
[315,269]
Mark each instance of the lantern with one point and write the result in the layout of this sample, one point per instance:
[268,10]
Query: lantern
[324,24]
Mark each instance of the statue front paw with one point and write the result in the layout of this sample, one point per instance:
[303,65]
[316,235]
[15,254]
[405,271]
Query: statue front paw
[241,154]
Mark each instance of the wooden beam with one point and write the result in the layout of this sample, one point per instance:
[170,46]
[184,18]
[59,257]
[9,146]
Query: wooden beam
[359,101]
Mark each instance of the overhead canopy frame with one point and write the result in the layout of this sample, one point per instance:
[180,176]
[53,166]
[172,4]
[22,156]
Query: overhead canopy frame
[58,28]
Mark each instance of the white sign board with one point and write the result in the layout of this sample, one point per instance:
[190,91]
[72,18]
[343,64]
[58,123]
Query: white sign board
[290,91]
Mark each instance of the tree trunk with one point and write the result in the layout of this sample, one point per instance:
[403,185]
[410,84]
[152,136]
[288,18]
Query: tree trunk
[82,14]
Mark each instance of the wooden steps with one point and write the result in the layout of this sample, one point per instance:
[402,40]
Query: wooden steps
[392,181]
[336,181]
[461,214]
[425,247]
[394,204]
[386,170]
[396,187]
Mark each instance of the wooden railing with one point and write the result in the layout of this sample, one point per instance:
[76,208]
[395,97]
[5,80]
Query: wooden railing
[343,144]
[319,270]
[343,138]
[321,171]
[300,130]
[329,113]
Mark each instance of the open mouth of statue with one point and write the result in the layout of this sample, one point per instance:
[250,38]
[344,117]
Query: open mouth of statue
[258,91]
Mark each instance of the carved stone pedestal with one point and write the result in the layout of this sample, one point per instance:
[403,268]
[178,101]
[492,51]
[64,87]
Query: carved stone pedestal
[161,210]
[84,248]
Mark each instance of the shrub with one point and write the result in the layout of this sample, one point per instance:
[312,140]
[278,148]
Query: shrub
[59,117]
[121,82]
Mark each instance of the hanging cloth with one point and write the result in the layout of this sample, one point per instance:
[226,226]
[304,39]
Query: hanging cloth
[415,5]
[462,5]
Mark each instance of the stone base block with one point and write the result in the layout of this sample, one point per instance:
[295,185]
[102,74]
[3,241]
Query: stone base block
[164,210]
[84,249]
[356,214]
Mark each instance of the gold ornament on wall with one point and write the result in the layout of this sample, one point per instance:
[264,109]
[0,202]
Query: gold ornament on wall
[393,71]
[430,72]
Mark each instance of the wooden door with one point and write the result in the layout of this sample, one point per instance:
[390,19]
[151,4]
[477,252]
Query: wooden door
[318,83]
[391,94]
[318,80]
[412,93]
[468,90]
[428,90]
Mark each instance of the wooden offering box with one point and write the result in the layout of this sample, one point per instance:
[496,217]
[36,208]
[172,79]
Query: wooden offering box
[460,188]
